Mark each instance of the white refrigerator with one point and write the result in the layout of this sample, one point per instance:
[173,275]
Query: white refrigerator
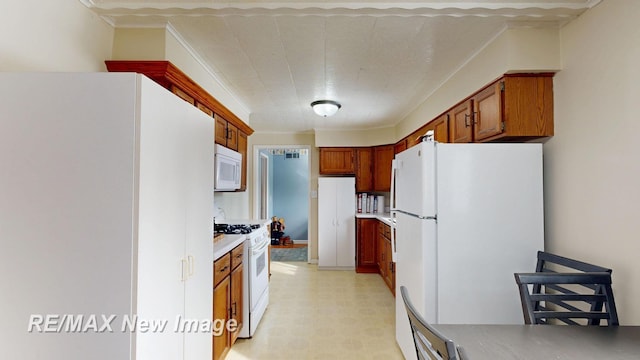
[467,216]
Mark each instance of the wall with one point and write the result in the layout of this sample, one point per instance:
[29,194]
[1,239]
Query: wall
[592,164]
[290,196]
[166,44]
[55,35]
[368,137]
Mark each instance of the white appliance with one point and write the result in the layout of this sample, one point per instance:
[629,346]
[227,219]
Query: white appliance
[255,275]
[256,280]
[336,223]
[467,217]
[228,168]
[106,208]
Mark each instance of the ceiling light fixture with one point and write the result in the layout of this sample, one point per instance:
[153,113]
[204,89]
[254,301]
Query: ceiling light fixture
[325,107]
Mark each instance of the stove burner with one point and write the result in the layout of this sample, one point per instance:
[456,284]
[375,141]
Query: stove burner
[235,228]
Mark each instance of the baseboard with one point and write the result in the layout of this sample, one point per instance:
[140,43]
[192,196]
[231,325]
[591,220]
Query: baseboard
[313,261]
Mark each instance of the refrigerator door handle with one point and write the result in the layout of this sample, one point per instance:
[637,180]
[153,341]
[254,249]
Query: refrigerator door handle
[394,168]
[393,236]
[392,204]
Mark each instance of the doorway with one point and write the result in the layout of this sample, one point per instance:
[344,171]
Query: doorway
[282,186]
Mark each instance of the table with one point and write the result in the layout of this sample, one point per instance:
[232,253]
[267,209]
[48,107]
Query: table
[524,342]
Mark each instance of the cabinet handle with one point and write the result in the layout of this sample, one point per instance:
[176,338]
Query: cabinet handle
[191,267]
[235,310]
[466,116]
[182,270]
[224,268]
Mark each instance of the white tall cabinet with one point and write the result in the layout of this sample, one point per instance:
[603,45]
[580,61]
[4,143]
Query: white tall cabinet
[106,206]
[336,222]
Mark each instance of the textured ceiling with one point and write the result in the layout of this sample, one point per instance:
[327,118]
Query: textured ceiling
[379,59]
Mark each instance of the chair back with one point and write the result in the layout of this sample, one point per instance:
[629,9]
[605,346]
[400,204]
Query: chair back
[430,344]
[548,262]
[584,293]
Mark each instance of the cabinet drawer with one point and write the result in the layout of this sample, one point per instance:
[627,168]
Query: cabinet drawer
[221,268]
[387,231]
[236,256]
[384,229]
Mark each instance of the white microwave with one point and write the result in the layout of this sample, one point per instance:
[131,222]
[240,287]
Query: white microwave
[228,168]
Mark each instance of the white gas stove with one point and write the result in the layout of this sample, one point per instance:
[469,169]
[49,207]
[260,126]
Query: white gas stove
[256,270]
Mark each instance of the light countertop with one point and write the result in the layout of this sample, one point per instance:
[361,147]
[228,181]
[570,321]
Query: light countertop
[384,217]
[230,241]
[226,244]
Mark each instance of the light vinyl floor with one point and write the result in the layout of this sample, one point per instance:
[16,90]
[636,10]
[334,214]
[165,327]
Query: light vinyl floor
[323,314]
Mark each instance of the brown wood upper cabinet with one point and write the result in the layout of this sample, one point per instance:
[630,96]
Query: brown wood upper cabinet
[382,158]
[226,133]
[364,169]
[487,111]
[516,107]
[373,168]
[441,128]
[337,161]
[242,149]
[400,146]
[461,121]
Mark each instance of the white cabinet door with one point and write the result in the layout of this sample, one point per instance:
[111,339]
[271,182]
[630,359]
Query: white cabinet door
[345,218]
[198,159]
[176,182]
[336,222]
[162,222]
[106,187]
[326,223]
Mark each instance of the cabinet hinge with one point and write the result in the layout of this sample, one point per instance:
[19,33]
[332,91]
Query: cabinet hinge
[501,85]
[502,126]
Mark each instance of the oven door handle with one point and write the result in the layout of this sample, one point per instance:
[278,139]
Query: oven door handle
[258,250]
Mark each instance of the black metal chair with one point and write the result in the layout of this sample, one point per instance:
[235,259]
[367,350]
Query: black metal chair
[548,262]
[430,344]
[584,292]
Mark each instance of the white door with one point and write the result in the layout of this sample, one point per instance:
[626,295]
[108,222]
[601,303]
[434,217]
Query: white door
[416,269]
[489,223]
[336,222]
[197,154]
[162,221]
[415,187]
[346,222]
[326,223]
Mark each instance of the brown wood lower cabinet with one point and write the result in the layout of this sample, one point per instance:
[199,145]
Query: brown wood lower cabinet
[366,234]
[227,299]
[221,295]
[386,265]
